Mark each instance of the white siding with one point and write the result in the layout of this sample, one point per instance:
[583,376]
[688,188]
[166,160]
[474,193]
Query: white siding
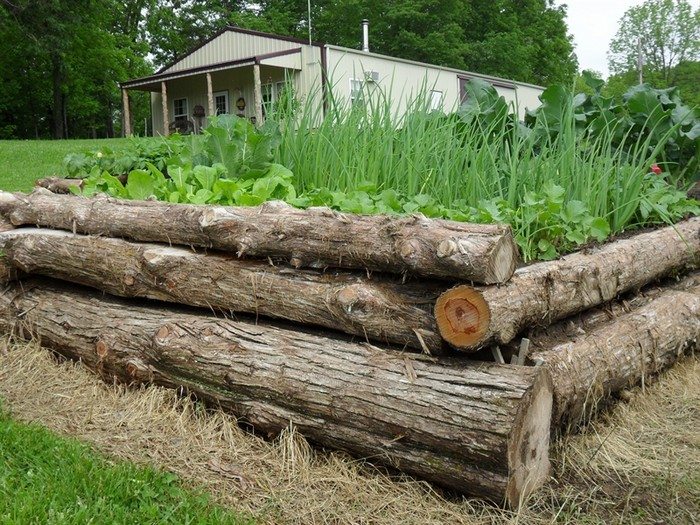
[231,45]
[239,83]
[400,82]
[528,98]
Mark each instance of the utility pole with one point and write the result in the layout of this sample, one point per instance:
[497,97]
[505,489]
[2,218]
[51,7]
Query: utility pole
[309,6]
[640,61]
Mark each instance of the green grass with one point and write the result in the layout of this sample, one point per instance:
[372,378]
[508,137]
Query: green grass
[46,479]
[24,161]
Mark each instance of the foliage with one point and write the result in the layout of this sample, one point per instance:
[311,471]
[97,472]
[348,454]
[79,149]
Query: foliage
[567,179]
[655,120]
[136,155]
[669,31]
[22,162]
[526,40]
[60,65]
[48,479]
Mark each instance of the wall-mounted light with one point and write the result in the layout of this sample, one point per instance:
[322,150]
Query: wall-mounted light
[240,103]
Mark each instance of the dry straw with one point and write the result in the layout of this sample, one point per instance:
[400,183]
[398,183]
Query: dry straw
[642,463]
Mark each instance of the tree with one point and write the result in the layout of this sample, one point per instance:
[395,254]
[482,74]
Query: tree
[62,60]
[525,40]
[669,32]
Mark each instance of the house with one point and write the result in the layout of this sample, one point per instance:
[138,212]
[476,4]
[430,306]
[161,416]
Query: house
[244,72]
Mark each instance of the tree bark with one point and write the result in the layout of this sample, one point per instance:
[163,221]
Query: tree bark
[478,428]
[63,185]
[620,353]
[58,99]
[469,318]
[544,338]
[377,307]
[58,184]
[316,238]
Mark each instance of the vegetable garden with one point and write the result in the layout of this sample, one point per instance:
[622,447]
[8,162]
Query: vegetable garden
[346,274]
[577,170]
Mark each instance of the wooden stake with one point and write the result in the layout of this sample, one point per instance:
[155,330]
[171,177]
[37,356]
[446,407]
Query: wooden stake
[257,95]
[166,119]
[210,96]
[126,112]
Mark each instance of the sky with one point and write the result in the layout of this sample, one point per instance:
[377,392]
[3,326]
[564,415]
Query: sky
[593,23]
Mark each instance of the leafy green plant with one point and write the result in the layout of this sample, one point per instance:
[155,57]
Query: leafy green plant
[577,173]
[136,155]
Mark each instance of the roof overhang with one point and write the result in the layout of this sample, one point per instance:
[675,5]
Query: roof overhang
[288,59]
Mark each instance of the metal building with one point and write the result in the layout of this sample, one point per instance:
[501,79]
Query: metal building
[244,72]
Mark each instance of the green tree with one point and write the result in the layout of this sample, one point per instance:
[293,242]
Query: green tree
[669,34]
[62,60]
[525,40]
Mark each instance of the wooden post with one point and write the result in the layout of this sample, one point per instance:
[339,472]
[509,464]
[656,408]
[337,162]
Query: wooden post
[257,95]
[210,96]
[164,96]
[126,114]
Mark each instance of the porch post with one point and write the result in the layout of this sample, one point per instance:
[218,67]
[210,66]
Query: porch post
[210,95]
[164,96]
[257,95]
[126,114]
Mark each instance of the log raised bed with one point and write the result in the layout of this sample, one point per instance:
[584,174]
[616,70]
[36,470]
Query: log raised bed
[377,307]
[539,294]
[477,428]
[620,353]
[316,238]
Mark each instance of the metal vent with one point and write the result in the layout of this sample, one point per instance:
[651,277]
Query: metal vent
[371,76]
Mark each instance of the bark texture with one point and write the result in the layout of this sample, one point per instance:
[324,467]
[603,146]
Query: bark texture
[544,338]
[58,184]
[62,185]
[316,238]
[377,307]
[620,353]
[478,428]
[542,293]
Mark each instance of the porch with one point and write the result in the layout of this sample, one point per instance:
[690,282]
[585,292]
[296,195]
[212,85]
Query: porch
[184,100]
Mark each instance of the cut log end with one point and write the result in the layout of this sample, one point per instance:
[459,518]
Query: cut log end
[529,446]
[462,317]
[503,261]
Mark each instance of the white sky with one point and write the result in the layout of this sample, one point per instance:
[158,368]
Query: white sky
[593,24]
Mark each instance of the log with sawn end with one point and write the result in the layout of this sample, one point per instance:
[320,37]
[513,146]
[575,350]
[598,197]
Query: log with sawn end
[478,428]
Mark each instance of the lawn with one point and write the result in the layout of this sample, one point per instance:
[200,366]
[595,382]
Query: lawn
[48,479]
[24,161]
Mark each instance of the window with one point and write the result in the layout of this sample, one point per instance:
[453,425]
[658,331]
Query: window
[221,103]
[356,87]
[180,111]
[435,100]
[267,98]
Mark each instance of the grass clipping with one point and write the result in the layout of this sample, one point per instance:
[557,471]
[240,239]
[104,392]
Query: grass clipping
[639,463]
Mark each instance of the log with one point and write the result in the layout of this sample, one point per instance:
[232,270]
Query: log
[315,238]
[378,307]
[64,185]
[59,184]
[471,317]
[544,338]
[477,428]
[621,353]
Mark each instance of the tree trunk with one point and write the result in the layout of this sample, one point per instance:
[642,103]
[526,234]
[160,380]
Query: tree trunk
[477,428]
[58,100]
[620,353]
[542,293]
[58,184]
[63,185]
[544,338]
[376,307]
[316,238]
